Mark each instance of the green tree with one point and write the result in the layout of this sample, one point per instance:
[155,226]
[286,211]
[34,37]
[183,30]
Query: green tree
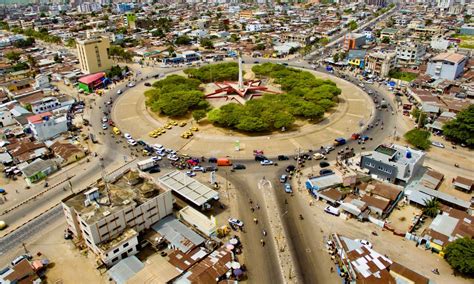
[199,114]
[13,56]
[352,25]
[418,138]
[207,43]
[183,40]
[460,255]
[71,42]
[32,61]
[324,41]
[461,129]
[432,207]
[386,39]
[4,26]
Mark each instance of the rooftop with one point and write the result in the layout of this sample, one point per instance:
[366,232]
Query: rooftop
[130,187]
[39,117]
[450,57]
[385,150]
[187,187]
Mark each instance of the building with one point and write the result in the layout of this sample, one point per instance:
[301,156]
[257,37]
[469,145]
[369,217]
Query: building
[354,41]
[68,153]
[356,58]
[94,55]
[38,170]
[447,66]
[463,184]
[45,105]
[92,82]
[393,163]
[108,217]
[46,125]
[125,7]
[467,29]
[379,63]
[359,263]
[22,272]
[381,3]
[409,53]
[6,117]
[447,227]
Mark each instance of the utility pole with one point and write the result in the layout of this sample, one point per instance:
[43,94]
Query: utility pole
[24,247]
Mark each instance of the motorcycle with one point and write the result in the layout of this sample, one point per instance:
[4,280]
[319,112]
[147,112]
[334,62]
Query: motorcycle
[301,217]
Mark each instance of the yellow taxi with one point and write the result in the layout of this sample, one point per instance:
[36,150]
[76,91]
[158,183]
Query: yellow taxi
[169,126]
[194,128]
[182,124]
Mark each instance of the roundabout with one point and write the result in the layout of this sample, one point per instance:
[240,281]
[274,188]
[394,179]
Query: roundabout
[353,112]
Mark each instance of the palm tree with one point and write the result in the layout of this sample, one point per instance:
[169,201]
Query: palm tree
[432,207]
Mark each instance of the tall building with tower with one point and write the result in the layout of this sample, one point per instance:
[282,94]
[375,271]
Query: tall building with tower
[94,55]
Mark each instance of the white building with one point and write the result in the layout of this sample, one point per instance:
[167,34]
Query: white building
[6,117]
[108,218]
[41,82]
[447,66]
[46,125]
[253,27]
[45,105]
[410,53]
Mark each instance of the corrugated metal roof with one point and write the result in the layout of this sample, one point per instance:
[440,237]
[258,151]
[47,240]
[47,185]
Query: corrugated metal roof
[125,269]
[177,234]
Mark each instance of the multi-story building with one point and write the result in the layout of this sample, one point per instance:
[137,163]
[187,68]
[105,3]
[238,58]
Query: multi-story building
[447,66]
[354,41]
[379,63]
[109,216]
[467,29]
[409,53]
[394,163]
[6,117]
[45,105]
[94,55]
[46,125]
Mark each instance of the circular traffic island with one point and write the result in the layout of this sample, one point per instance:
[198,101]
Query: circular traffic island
[224,110]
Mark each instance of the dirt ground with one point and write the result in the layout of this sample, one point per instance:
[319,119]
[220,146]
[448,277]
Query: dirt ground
[402,219]
[67,262]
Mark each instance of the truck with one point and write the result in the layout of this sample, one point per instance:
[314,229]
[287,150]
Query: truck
[93,138]
[147,164]
[339,141]
[224,162]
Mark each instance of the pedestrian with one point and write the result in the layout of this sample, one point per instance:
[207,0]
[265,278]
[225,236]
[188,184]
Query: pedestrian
[258,207]
[16,190]
[252,209]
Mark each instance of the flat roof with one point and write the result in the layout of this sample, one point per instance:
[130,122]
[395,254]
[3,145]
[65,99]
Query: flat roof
[127,188]
[188,188]
[177,234]
[385,150]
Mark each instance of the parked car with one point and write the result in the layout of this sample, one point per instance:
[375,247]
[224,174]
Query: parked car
[211,168]
[235,222]
[119,92]
[157,158]
[105,119]
[283,158]
[147,84]
[131,84]
[318,156]
[142,143]
[364,242]
[290,168]
[266,163]
[332,210]
[260,158]
[323,164]
[132,142]
[199,169]
[127,136]
[172,157]
[105,126]
[437,144]
[190,173]
[288,188]
[154,169]
[325,172]
[239,167]
[283,178]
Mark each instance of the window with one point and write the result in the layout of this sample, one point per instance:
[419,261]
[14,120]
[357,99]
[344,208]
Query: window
[103,225]
[89,242]
[126,212]
[116,250]
[114,259]
[130,250]
[125,245]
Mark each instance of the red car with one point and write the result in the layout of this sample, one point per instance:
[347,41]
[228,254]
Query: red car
[355,136]
[111,123]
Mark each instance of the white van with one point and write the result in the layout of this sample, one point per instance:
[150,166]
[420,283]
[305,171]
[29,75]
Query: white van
[332,210]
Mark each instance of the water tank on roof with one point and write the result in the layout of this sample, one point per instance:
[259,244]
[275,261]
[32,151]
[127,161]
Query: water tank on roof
[408,154]
[45,118]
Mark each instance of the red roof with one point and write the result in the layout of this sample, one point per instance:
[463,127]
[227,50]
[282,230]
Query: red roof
[38,117]
[91,78]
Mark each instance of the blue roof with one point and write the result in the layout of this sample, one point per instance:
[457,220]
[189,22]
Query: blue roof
[125,269]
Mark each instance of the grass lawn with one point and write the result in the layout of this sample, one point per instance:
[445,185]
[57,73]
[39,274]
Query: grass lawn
[467,41]
[404,76]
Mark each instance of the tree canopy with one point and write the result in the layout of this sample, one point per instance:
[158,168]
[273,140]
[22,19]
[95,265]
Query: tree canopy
[418,138]
[460,255]
[175,96]
[228,71]
[461,129]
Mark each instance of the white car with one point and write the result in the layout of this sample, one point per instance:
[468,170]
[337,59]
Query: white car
[235,222]
[105,119]
[199,169]
[364,242]
[132,142]
[437,144]
[131,84]
[156,158]
[318,156]
[266,163]
[190,173]
[105,126]
[158,147]
[119,92]
[172,157]
[127,136]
